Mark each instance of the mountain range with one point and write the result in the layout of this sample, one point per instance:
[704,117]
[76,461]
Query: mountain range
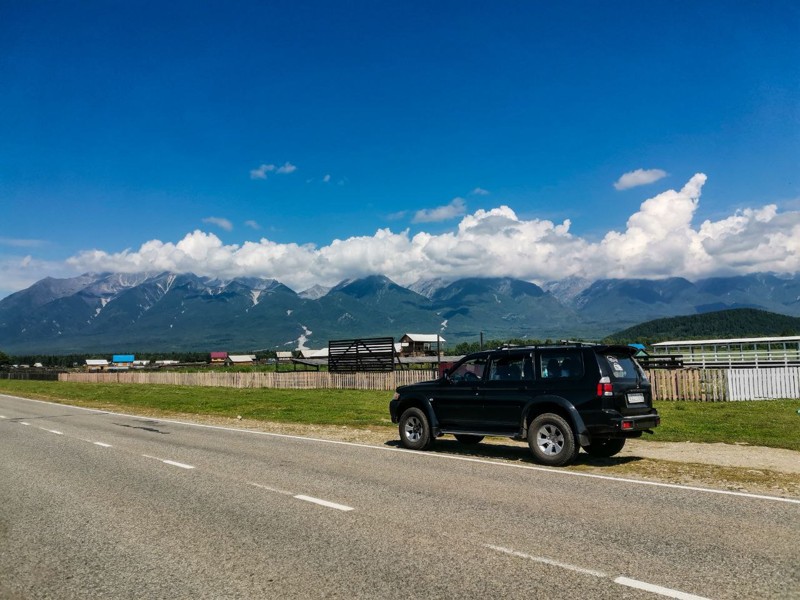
[114,312]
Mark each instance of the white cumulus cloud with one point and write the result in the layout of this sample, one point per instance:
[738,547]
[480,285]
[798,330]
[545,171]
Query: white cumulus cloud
[659,239]
[639,177]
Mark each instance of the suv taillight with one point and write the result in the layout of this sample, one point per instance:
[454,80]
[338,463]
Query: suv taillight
[604,387]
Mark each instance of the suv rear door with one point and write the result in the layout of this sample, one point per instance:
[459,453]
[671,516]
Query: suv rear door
[561,372]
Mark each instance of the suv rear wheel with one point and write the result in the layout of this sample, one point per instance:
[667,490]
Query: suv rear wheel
[551,440]
[605,448]
[415,430]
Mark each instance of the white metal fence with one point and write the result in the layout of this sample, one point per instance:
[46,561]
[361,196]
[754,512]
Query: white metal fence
[763,384]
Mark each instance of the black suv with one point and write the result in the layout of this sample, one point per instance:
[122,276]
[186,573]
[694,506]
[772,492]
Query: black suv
[559,398]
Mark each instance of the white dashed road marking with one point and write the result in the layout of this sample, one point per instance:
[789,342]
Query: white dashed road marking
[341,507]
[657,589]
[633,583]
[547,561]
[311,499]
[271,489]
[170,462]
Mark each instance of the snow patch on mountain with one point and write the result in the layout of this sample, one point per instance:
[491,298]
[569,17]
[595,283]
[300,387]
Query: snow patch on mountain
[301,341]
[314,292]
[428,287]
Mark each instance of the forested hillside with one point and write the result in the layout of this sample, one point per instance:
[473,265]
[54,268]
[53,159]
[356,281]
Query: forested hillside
[734,323]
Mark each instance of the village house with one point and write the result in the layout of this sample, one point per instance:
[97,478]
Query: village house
[238,360]
[421,344]
[96,364]
[122,361]
[219,358]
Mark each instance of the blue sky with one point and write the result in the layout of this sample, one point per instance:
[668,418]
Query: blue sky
[317,141]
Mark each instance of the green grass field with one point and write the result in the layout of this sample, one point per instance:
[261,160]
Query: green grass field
[774,423]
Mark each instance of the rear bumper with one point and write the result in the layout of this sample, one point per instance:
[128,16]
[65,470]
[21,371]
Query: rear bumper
[639,423]
[617,425]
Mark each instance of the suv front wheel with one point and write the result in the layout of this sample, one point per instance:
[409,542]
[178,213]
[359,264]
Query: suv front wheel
[415,430]
[551,440]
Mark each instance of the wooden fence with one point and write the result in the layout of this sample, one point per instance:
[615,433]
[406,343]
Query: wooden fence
[699,385]
[298,380]
[725,385]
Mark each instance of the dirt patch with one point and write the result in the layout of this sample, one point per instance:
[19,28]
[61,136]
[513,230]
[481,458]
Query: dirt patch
[724,455]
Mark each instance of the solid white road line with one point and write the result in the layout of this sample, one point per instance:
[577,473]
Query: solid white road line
[324,503]
[657,589]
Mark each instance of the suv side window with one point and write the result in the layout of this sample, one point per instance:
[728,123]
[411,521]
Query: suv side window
[469,370]
[563,364]
[510,368]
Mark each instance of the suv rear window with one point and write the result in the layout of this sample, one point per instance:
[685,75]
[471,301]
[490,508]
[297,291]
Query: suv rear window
[622,367]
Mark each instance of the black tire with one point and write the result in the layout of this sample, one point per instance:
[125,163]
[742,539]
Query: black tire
[415,430]
[552,441]
[466,438]
[605,448]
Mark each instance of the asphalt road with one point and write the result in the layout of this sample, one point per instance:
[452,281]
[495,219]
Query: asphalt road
[102,505]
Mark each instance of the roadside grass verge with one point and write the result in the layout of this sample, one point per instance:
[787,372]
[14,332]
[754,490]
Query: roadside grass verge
[357,408]
[772,423]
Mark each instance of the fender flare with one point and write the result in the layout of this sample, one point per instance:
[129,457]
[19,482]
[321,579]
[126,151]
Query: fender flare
[581,431]
[424,404]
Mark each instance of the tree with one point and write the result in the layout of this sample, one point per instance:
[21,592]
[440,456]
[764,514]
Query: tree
[5,359]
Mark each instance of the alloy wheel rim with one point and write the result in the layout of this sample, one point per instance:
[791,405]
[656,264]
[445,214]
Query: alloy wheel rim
[550,440]
[413,429]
